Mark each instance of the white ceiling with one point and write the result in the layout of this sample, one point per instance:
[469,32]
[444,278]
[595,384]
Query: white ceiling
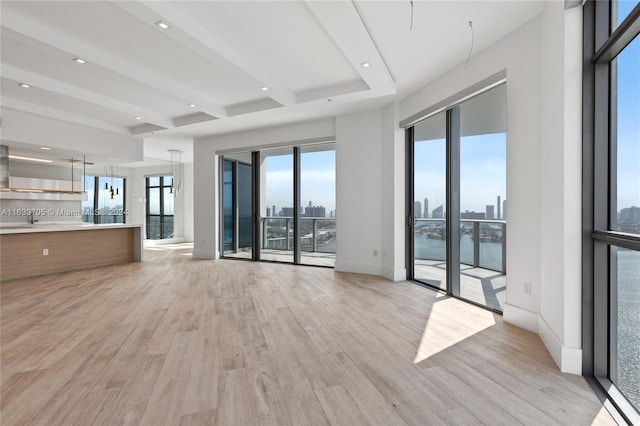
[218,54]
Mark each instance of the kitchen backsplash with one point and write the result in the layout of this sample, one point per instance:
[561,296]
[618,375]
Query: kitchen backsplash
[15,211]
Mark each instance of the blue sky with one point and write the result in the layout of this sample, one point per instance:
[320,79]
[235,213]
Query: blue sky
[317,175]
[628,125]
[482,171]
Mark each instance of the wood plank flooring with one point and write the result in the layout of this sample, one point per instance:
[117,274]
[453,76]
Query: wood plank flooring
[177,341]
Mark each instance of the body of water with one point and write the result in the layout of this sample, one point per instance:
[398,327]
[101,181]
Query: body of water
[435,249]
[628,271]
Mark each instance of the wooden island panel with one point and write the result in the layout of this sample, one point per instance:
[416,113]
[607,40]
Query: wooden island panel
[22,254]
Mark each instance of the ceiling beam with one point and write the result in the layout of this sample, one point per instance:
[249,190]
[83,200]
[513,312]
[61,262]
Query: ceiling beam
[61,88]
[114,63]
[344,25]
[199,40]
[58,114]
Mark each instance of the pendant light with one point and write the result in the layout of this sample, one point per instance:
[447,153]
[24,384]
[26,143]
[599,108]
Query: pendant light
[178,172]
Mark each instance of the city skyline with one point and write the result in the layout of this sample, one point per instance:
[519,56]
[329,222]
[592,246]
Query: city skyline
[497,213]
[482,170]
[317,179]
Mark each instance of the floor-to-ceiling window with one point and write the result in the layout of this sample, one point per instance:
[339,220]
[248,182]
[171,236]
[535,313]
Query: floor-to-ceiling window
[277,204]
[266,186]
[160,207]
[237,202]
[457,199]
[483,188]
[318,205]
[429,201]
[611,264]
[105,201]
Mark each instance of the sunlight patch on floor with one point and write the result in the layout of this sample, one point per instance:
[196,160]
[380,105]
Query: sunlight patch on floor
[164,247]
[446,314]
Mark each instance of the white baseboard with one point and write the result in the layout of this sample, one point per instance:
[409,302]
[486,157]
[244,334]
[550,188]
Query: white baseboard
[357,267]
[520,317]
[394,274]
[151,243]
[568,359]
[204,254]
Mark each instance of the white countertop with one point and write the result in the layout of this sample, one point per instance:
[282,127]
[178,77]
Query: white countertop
[26,228]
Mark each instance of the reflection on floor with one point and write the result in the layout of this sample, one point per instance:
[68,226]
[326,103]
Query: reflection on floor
[478,285]
[306,258]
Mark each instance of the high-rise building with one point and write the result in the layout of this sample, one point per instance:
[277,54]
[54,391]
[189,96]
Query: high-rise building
[472,215]
[315,211]
[498,206]
[417,209]
[489,212]
[504,210]
[426,208]
[268,211]
[438,212]
[287,212]
[273,210]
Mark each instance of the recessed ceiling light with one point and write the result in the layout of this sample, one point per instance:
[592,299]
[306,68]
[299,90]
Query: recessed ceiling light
[192,105]
[25,85]
[138,118]
[40,160]
[79,60]
[114,158]
[162,25]
[264,88]
[45,148]
[365,64]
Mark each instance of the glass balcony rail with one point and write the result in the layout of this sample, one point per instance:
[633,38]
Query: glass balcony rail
[482,242]
[317,234]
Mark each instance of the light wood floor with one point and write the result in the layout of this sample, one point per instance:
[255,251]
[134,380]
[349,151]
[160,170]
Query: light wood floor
[174,341]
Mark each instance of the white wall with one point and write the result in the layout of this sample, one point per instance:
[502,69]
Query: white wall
[358,192]
[188,202]
[205,216]
[393,195]
[560,315]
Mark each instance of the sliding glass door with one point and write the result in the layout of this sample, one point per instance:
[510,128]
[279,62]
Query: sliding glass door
[263,215]
[429,221]
[237,240]
[277,205]
[457,199]
[317,222]
[483,187]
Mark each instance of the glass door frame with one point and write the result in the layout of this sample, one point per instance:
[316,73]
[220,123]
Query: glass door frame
[256,230]
[452,203]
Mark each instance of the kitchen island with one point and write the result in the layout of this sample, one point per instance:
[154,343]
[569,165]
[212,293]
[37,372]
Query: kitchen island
[30,250]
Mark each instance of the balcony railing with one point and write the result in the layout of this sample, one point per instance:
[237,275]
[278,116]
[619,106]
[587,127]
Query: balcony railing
[317,234]
[482,242]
